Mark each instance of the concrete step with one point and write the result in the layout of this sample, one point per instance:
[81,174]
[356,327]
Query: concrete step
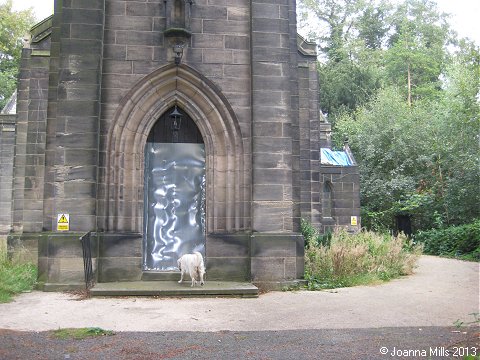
[174,289]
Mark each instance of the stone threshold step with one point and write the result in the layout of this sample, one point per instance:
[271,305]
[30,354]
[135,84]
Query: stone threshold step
[174,289]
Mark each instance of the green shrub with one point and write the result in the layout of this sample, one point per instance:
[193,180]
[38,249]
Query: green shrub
[358,259]
[459,241]
[15,276]
[309,233]
[312,236]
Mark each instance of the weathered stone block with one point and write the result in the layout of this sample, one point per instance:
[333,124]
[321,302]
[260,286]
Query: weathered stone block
[134,23]
[272,145]
[209,12]
[85,31]
[237,42]
[268,192]
[119,245]
[139,53]
[275,245]
[238,14]
[272,176]
[268,269]
[119,269]
[228,245]
[228,269]
[207,41]
[143,9]
[82,16]
[114,51]
[277,26]
[225,27]
[75,107]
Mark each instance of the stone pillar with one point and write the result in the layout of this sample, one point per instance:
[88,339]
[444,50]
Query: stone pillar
[7,141]
[73,113]
[30,139]
[276,247]
[310,132]
[272,117]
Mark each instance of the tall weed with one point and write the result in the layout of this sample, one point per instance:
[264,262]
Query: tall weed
[356,259]
[15,275]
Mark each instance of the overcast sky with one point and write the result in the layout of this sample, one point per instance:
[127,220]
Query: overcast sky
[464,19]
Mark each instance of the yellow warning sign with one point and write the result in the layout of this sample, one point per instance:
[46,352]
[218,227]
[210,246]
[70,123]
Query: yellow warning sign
[63,222]
[353,221]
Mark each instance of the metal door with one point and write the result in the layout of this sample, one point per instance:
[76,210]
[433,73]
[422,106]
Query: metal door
[174,202]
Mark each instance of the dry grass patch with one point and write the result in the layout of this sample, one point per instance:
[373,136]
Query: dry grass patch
[358,259]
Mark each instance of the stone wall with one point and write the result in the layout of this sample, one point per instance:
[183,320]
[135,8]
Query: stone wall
[345,197]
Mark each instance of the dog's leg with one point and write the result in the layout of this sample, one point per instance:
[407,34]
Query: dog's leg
[181,277]
[199,275]
[194,281]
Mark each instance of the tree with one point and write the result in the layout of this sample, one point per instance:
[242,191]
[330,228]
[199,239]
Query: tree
[348,84]
[455,129]
[373,25]
[349,38]
[416,56]
[337,23]
[368,44]
[384,135]
[419,160]
[13,27]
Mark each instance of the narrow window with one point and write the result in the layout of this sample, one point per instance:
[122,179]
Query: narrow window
[327,201]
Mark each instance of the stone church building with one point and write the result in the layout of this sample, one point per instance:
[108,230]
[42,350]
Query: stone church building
[166,127]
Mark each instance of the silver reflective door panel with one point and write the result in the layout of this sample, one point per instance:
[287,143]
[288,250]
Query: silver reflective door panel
[174,203]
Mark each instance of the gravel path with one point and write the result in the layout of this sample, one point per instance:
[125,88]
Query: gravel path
[339,344]
[440,293]
[411,313]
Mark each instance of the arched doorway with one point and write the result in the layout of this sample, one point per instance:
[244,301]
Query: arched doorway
[228,174]
[174,211]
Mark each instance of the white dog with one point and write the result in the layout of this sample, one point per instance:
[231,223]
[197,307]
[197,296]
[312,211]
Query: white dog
[194,266]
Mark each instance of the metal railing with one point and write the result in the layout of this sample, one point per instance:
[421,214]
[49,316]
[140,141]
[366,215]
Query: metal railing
[87,260]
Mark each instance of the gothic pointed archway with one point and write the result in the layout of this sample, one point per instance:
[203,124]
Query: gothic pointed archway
[228,191]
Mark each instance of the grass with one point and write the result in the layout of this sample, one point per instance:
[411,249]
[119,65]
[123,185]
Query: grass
[476,321]
[16,276]
[364,258]
[82,333]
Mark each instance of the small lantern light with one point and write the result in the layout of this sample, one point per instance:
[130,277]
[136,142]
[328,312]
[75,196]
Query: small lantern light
[176,117]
